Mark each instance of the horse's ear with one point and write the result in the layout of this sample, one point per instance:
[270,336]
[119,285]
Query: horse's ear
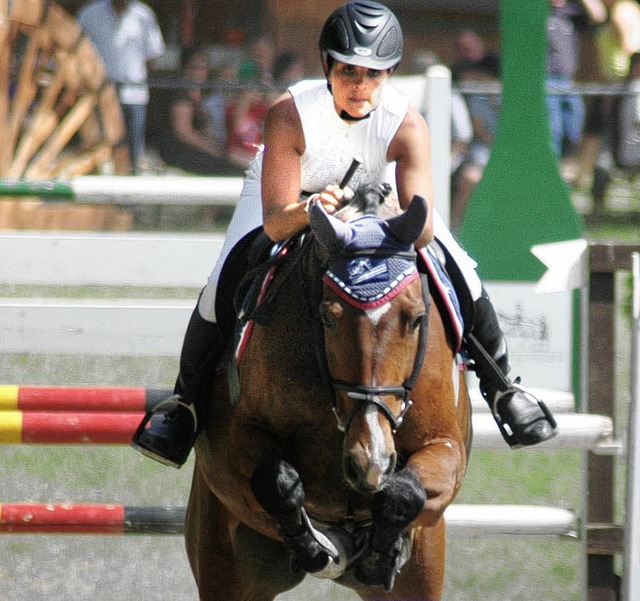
[408,226]
[332,233]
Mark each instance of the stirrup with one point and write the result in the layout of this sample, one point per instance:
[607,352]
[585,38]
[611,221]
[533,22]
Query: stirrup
[511,437]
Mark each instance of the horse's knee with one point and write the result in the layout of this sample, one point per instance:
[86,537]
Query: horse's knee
[276,485]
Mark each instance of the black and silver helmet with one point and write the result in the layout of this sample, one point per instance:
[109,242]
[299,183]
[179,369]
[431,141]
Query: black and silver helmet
[364,33]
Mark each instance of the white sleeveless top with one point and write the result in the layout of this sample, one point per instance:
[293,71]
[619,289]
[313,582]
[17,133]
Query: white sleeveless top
[331,143]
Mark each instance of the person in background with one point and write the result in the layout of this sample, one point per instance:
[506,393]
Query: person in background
[217,101]
[190,141]
[312,134]
[258,65]
[566,109]
[469,49]
[617,40]
[627,120]
[288,68]
[245,124]
[127,37]
[245,115]
[461,126]
[484,110]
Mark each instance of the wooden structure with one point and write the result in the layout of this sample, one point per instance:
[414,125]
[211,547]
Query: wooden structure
[60,115]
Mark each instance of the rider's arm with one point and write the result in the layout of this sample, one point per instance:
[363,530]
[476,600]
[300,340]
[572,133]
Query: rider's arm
[283,215]
[411,149]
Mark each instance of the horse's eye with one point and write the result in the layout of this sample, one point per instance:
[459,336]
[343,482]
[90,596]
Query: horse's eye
[418,321]
[330,312]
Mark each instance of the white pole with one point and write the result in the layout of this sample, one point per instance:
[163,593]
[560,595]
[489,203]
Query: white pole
[631,573]
[437,112]
[158,190]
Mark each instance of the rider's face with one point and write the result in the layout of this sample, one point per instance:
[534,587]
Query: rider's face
[356,90]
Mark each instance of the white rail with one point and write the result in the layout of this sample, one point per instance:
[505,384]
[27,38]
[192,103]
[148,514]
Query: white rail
[156,327]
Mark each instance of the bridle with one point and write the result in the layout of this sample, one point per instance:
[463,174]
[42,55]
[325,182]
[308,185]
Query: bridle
[374,394]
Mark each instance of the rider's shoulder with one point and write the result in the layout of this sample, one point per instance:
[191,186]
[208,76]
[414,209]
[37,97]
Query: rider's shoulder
[414,120]
[283,107]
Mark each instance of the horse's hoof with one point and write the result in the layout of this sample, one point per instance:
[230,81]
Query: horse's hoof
[307,553]
[312,551]
[380,568]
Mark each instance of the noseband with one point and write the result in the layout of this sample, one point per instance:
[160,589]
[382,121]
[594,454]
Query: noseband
[374,394]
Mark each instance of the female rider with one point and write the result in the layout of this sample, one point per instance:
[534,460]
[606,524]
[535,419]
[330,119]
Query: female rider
[311,135]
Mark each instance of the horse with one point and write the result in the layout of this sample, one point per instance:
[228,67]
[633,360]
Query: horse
[339,435]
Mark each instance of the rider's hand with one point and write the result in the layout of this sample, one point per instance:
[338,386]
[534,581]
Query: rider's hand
[332,197]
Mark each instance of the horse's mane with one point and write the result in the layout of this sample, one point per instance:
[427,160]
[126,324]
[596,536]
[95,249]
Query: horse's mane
[371,199]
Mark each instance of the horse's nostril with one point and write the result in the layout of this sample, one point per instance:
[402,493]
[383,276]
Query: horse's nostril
[351,473]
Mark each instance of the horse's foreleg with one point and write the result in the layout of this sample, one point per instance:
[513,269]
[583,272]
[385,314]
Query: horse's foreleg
[440,467]
[276,485]
[392,510]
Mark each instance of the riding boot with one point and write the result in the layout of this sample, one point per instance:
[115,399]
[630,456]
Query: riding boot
[523,420]
[168,432]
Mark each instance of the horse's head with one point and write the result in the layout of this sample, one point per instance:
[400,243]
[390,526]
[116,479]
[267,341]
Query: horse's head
[374,314]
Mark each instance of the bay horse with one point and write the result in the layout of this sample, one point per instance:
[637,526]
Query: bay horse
[341,432]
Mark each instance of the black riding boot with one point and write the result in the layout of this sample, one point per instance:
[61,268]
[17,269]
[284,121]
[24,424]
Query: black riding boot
[523,420]
[168,433]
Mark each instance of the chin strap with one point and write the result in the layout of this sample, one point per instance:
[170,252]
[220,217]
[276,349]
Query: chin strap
[347,117]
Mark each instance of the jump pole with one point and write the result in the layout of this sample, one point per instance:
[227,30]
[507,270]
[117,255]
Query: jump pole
[577,431]
[463,521]
[124,190]
[52,518]
[115,399]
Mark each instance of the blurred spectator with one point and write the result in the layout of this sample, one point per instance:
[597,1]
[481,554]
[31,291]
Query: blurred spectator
[618,39]
[127,37]
[566,109]
[627,112]
[484,109]
[245,121]
[245,115]
[461,126]
[258,66]
[469,49]
[621,147]
[461,131]
[189,142]
[218,100]
[288,68]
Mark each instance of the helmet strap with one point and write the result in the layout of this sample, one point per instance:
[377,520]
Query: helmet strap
[347,117]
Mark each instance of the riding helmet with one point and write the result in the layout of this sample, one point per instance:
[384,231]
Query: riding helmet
[363,33]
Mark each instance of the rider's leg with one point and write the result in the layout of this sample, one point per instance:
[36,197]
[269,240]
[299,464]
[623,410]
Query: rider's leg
[523,420]
[168,433]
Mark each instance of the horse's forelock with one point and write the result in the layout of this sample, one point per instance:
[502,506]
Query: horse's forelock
[372,199]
